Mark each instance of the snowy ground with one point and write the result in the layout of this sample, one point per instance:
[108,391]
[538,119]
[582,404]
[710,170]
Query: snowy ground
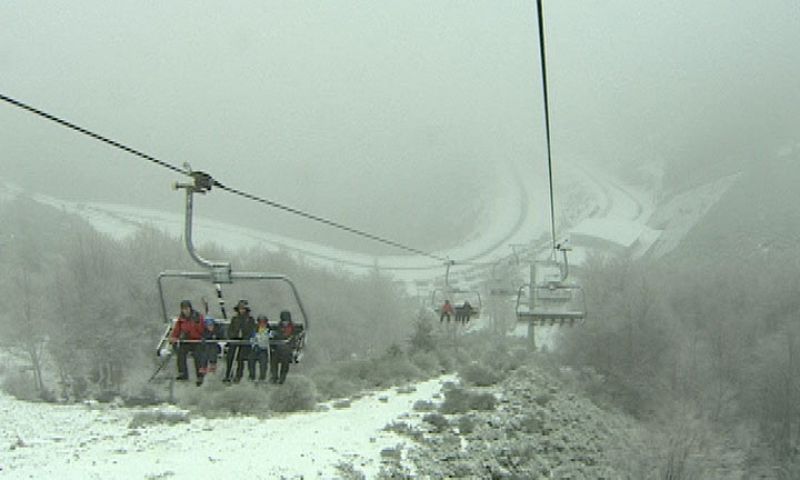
[83,441]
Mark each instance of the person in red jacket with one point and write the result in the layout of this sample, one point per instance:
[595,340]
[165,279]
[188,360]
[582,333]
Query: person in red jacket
[186,336]
[446,311]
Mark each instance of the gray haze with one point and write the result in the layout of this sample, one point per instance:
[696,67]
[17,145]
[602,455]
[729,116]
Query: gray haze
[385,115]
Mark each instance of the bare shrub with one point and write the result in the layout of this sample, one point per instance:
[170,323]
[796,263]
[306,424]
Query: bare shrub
[422,340]
[543,399]
[344,403]
[531,424]
[392,453]
[141,395]
[483,401]
[331,383]
[457,400]
[427,362]
[479,375]
[403,428]
[297,394]
[380,372]
[395,471]
[465,424]
[446,361]
[438,420]
[423,406]
[392,371]
[347,471]
[406,389]
[156,417]
[243,399]
[20,385]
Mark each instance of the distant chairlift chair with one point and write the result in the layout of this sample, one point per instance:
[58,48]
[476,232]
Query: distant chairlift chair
[549,299]
[457,296]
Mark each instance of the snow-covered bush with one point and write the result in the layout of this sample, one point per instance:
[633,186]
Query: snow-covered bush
[245,398]
[438,420]
[343,403]
[155,417]
[465,424]
[423,406]
[138,395]
[347,471]
[427,362]
[381,372]
[297,394]
[422,339]
[446,361]
[20,385]
[329,383]
[458,400]
[403,428]
[478,375]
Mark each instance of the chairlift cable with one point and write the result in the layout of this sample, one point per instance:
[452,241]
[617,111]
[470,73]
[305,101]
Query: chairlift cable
[546,121]
[325,221]
[219,185]
[96,136]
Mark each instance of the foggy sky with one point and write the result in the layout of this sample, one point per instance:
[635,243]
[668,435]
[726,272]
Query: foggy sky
[384,115]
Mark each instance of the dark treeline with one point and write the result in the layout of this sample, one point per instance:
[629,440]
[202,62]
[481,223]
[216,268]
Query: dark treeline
[81,309]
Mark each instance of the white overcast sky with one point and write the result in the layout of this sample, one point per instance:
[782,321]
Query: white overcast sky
[382,114]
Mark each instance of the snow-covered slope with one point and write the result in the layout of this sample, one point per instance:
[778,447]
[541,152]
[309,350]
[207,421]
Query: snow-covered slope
[511,222]
[103,441]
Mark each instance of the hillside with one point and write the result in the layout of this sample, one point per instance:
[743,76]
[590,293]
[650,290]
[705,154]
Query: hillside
[539,427]
[757,218]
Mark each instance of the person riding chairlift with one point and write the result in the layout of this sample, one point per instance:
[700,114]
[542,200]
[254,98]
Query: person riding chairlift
[241,328]
[446,311]
[281,355]
[464,312]
[185,337]
[260,350]
[209,348]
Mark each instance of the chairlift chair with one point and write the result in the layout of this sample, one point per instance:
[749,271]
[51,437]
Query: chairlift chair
[217,274]
[457,296]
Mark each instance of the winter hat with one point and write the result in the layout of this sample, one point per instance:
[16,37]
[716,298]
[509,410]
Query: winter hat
[210,322]
[286,316]
[186,303]
[243,304]
[263,318]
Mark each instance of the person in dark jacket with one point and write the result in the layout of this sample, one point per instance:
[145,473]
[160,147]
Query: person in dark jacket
[209,347]
[281,345]
[239,332]
[186,336]
[260,350]
[465,312]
